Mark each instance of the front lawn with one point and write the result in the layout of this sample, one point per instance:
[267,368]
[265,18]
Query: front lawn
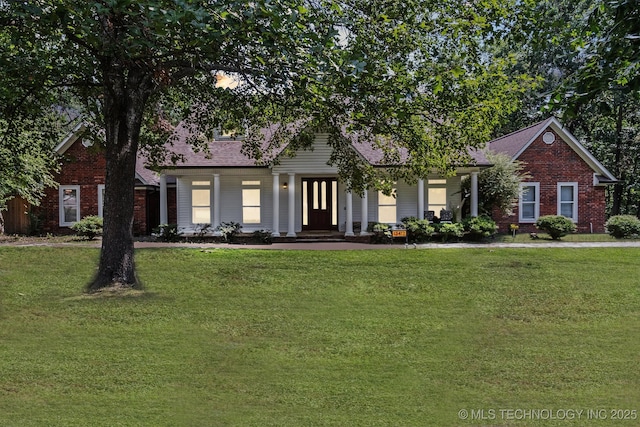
[229,337]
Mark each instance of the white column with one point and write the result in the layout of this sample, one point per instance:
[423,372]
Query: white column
[364,221]
[164,211]
[276,205]
[291,231]
[216,200]
[349,227]
[474,193]
[420,199]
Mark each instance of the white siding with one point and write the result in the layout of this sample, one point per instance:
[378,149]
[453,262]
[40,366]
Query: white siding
[407,200]
[309,162]
[307,165]
[230,196]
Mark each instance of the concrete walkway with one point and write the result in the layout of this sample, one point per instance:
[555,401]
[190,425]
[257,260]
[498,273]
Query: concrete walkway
[364,246]
[345,246]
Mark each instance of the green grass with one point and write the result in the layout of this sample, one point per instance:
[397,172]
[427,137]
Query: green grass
[312,338]
[545,238]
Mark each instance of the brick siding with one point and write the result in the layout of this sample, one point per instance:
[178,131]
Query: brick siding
[550,164]
[86,168]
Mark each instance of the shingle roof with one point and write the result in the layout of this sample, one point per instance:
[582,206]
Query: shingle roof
[224,152]
[514,142]
[228,152]
[144,175]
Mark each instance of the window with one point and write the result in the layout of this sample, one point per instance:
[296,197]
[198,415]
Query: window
[101,200]
[251,202]
[69,204]
[387,207]
[529,204]
[568,200]
[201,202]
[437,195]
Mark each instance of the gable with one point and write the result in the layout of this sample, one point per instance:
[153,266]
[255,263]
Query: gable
[314,161]
[553,144]
[92,162]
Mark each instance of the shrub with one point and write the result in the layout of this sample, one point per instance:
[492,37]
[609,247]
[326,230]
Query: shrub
[263,236]
[88,227]
[418,230]
[202,230]
[556,226]
[449,230]
[623,226]
[167,232]
[499,185]
[381,232]
[480,226]
[229,230]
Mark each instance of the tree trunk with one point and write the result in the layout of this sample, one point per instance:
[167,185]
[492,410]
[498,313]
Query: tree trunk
[618,188]
[124,103]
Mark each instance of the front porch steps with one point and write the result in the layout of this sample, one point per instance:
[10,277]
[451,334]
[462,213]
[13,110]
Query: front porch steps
[313,237]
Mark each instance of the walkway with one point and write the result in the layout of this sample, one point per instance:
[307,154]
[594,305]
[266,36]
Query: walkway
[364,246]
[341,245]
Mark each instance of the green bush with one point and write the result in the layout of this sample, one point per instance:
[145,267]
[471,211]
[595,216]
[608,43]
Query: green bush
[623,226]
[556,226]
[88,227]
[418,230]
[263,236]
[381,232]
[229,230]
[167,232]
[480,227]
[449,230]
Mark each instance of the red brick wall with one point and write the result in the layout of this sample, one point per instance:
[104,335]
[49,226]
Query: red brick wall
[86,167]
[80,166]
[558,162]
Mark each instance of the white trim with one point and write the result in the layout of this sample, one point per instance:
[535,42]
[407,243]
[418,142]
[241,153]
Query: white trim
[437,184]
[291,205]
[536,209]
[276,204]
[61,215]
[348,231]
[100,200]
[388,205]
[252,186]
[574,216]
[572,142]
[364,213]
[72,137]
[216,201]
[206,187]
[474,194]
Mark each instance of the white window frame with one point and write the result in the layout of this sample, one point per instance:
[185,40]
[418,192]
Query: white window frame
[252,185]
[100,200]
[574,185]
[386,205]
[536,209]
[61,216]
[437,184]
[195,186]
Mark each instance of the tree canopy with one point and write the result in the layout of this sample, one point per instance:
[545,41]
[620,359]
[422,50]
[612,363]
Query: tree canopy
[418,73]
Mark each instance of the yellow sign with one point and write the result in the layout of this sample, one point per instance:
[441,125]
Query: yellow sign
[399,233]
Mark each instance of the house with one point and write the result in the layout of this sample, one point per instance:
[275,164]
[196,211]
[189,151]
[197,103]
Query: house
[303,194]
[295,194]
[81,189]
[566,179]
